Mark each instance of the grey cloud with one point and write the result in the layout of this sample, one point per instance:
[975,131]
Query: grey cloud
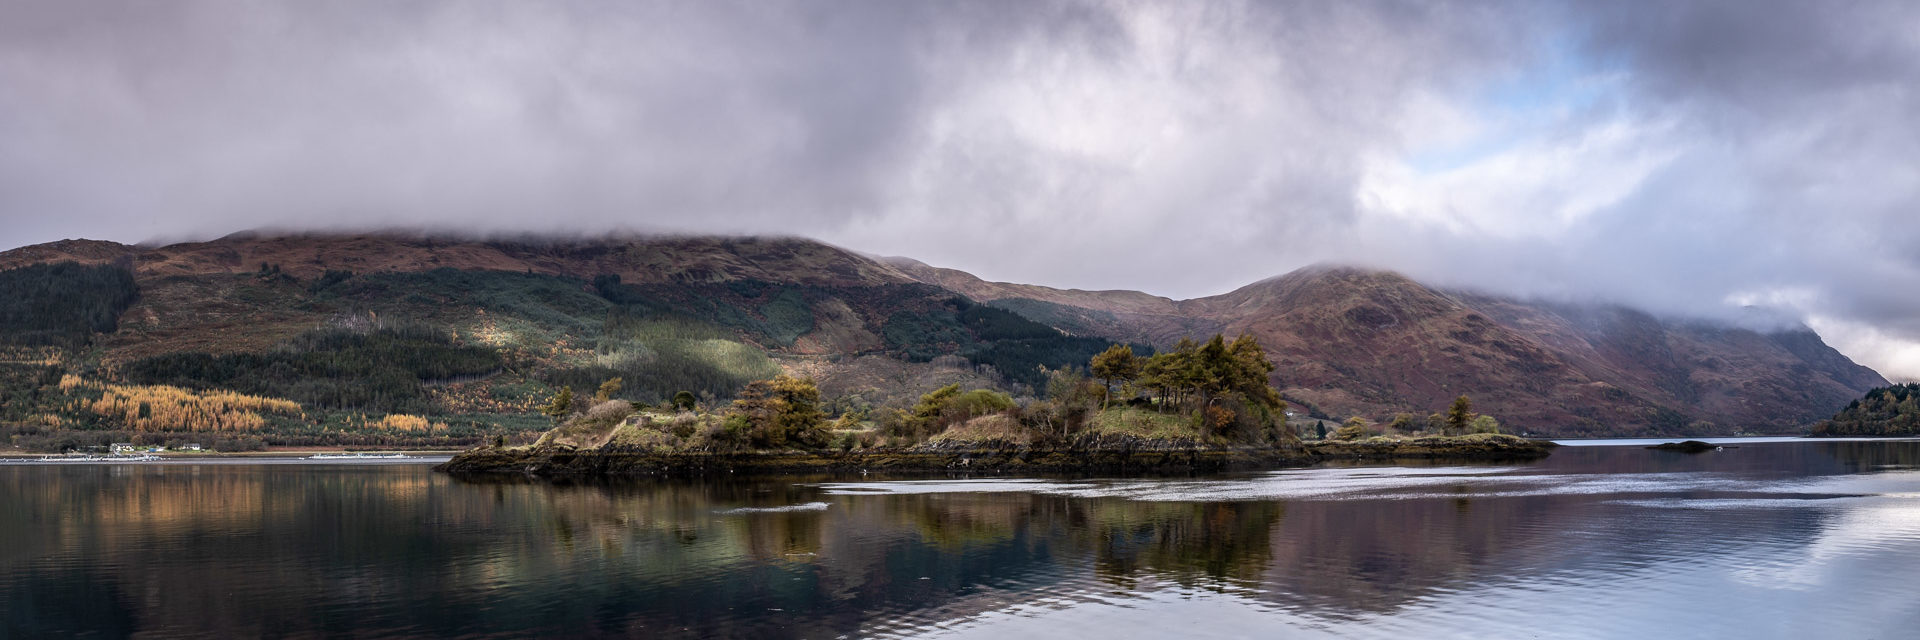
[1796,123]
[1181,148]
[799,117]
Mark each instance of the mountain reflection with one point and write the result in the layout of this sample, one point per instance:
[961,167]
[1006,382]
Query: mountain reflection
[246,550]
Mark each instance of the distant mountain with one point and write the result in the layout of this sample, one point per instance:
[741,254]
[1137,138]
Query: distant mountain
[368,324]
[1351,341]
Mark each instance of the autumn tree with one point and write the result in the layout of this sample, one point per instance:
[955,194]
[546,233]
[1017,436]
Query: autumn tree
[607,390]
[1117,363]
[1354,429]
[779,412]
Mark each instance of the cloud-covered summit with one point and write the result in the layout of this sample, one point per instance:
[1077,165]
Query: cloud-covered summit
[1687,157]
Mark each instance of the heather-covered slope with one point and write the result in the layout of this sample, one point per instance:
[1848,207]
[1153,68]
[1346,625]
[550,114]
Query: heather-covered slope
[268,315]
[1374,343]
[357,328]
[634,259]
[1350,341]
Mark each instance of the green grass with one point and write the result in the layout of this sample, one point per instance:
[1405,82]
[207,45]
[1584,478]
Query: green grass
[550,303]
[1140,423]
[657,357]
[643,438]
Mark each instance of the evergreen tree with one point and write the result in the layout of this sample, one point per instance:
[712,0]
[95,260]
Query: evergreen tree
[685,400]
[1117,363]
[560,406]
[1193,376]
[1459,416]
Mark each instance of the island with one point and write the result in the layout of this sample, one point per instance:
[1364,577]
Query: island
[1199,407]
[1686,446]
[1890,411]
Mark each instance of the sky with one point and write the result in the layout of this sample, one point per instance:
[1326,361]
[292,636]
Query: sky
[1690,158]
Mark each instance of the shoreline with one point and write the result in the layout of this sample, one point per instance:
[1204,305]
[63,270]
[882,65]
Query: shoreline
[270,452]
[15,458]
[1130,455]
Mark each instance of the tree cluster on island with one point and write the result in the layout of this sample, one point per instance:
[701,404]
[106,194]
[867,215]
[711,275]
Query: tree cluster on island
[1216,392]
[1458,419]
[1886,411]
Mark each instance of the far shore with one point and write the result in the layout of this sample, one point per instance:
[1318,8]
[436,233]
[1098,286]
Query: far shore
[270,452]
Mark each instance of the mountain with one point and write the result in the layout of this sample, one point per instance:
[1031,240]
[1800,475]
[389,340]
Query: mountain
[326,337]
[1372,343]
[349,329]
[1349,341]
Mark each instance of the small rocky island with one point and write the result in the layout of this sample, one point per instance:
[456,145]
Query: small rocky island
[1197,408]
[1686,446]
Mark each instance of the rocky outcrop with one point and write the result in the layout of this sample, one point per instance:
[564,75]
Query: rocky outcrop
[1688,446]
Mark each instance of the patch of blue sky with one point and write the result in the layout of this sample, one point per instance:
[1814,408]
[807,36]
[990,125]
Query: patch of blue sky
[1522,105]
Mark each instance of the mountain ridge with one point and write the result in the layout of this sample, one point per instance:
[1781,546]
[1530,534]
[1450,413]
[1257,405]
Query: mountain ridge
[1346,340]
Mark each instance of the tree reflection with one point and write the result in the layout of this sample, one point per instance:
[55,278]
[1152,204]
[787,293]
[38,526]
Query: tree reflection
[231,550]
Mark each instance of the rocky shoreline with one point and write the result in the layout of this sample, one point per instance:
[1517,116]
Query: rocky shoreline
[1088,455]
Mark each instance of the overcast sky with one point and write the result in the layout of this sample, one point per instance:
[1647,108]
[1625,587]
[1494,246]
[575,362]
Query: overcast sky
[1686,157]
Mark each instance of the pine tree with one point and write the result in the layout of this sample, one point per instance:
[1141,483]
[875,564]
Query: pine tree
[1116,363]
[1459,415]
[560,406]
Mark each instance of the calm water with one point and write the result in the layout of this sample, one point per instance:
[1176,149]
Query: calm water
[1767,540]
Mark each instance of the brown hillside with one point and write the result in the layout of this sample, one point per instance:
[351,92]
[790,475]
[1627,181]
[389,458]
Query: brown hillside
[1374,343]
[635,259]
[1346,341]
[1354,342]
[1351,341]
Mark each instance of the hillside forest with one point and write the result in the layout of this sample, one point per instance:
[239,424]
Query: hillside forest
[1887,411]
[452,358]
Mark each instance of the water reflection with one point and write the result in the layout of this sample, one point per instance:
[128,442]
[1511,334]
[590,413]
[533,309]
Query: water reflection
[1595,541]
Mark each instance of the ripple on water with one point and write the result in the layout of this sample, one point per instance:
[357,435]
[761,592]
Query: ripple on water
[792,508]
[1355,484]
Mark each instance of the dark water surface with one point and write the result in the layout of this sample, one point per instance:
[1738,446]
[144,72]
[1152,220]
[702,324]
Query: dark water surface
[1767,540]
